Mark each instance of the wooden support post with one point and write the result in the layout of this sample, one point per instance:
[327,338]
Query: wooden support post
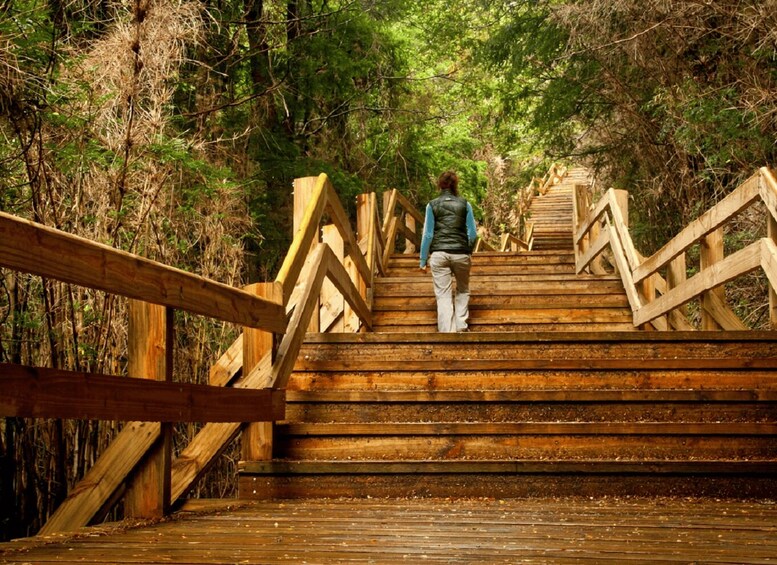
[303,190]
[366,216]
[410,223]
[622,201]
[256,440]
[711,253]
[676,275]
[150,355]
[331,301]
[772,234]
[581,211]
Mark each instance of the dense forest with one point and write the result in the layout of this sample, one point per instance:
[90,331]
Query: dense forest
[174,128]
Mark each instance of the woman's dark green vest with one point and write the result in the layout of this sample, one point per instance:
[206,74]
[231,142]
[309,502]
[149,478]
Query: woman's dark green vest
[450,224]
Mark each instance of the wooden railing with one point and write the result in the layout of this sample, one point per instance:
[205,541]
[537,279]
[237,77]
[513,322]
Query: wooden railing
[538,186]
[257,372]
[657,286]
[400,217]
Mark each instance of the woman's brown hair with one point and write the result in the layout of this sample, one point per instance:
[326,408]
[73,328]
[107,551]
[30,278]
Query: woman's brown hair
[449,181]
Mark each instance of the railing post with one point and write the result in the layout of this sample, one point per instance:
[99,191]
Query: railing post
[580,203]
[149,352]
[410,223]
[772,234]
[303,190]
[256,439]
[676,275]
[622,201]
[365,213]
[711,253]
[330,300]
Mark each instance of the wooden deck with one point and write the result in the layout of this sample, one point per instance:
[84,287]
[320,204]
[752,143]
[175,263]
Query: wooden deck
[657,530]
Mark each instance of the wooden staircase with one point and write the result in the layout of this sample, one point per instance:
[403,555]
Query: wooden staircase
[552,393]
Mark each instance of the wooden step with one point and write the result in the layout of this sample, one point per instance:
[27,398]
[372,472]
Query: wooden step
[559,350]
[755,384]
[714,477]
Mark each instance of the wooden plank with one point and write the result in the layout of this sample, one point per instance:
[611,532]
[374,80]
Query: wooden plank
[593,251]
[733,266]
[194,460]
[340,218]
[708,222]
[485,467]
[724,316]
[36,392]
[409,208]
[528,428]
[389,204]
[390,235]
[306,305]
[332,303]
[38,249]
[619,213]
[228,365]
[595,216]
[105,476]
[303,240]
[623,269]
[256,439]
[583,395]
[337,274]
[150,356]
[711,252]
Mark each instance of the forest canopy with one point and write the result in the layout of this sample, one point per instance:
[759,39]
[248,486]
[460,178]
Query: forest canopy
[174,128]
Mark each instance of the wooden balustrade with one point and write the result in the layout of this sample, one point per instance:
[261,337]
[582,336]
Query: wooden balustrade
[400,217]
[285,306]
[657,286]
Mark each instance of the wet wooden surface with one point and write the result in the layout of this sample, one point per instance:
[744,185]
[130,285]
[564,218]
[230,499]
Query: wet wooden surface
[430,531]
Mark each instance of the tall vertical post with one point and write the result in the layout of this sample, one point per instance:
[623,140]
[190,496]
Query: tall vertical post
[150,356]
[676,275]
[772,234]
[332,302]
[711,253]
[303,191]
[410,223]
[256,439]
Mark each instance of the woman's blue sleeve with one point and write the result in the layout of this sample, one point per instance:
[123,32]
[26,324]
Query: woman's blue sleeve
[426,239]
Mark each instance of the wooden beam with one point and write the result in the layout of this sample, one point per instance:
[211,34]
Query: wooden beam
[38,249]
[593,251]
[105,476]
[150,356]
[340,219]
[625,272]
[391,235]
[389,204]
[722,314]
[711,252]
[36,392]
[769,265]
[338,276]
[708,222]
[192,463]
[229,364]
[306,305]
[109,472]
[409,208]
[304,238]
[735,265]
[256,440]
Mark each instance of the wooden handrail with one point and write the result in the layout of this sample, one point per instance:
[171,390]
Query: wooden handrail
[651,298]
[304,269]
[37,249]
[408,222]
